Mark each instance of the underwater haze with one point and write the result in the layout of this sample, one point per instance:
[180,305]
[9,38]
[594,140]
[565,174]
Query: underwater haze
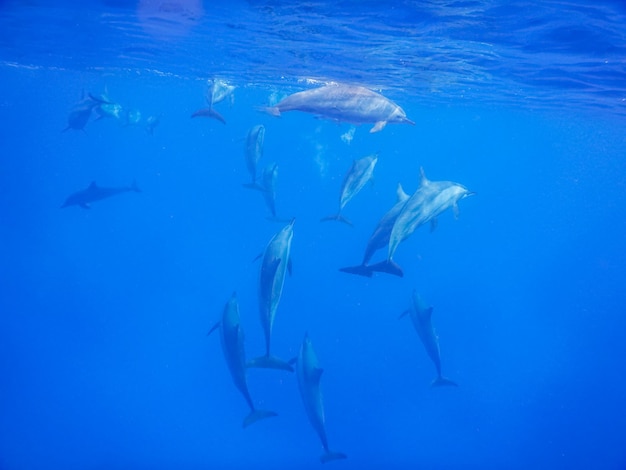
[129,229]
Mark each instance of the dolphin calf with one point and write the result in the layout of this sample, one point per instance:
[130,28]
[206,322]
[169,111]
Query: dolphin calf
[380,237]
[254,152]
[357,176]
[94,193]
[81,112]
[232,340]
[218,91]
[429,201]
[274,266]
[309,373]
[345,103]
[421,317]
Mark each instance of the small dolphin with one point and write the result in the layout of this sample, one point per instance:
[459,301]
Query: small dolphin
[357,176]
[431,199]
[380,237]
[81,112]
[94,193]
[254,152]
[308,373]
[274,266]
[421,317]
[232,339]
[345,103]
[151,123]
[218,91]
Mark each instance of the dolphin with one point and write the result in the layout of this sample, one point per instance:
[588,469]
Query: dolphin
[308,373]
[81,112]
[218,91]
[380,237]
[431,199]
[274,266]
[254,152]
[106,107]
[232,339]
[270,173]
[94,193]
[357,176]
[421,317]
[345,103]
[152,122]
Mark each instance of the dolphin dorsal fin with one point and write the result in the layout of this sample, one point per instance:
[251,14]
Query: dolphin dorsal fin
[400,194]
[423,180]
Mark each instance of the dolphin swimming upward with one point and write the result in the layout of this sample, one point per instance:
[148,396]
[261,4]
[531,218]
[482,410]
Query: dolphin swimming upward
[218,91]
[431,199]
[254,152]
[308,373]
[421,317]
[345,103]
[94,193]
[232,339]
[274,266]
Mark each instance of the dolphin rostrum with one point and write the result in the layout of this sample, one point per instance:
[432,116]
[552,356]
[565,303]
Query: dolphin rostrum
[94,193]
[345,103]
[254,152]
[380,237]
[274,266]
[232,339]
[421,317]
[431,199]
[308,373]
[357,176]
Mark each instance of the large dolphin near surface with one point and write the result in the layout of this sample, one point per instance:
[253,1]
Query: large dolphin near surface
[380,237]
[344,103]
[254,152]
[421,315]
[357,176]
[95,193]
[309,373]
[232,339]
[429,201]
[274,266]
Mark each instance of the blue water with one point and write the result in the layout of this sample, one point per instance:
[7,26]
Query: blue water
[104,358]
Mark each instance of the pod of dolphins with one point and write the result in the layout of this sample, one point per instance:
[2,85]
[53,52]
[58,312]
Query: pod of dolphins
[344,103]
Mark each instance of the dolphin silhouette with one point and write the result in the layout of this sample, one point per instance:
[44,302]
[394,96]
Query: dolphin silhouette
[95,193]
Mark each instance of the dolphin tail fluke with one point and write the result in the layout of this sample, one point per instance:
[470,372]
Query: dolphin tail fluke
[329,456]
[387,266]
[270,362]
[257,415]
[442,382]
[361,270]
[337,217]
[209,112]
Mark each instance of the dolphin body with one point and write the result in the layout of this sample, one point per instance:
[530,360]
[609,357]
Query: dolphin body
[254,152]
[232,340]
[431,199]
[81,112]
[357,176]
[421,315]
[274,266]
[345,103]
[152,122]
[218,91]
[270,173]
[380,237]
[308,373]
[94,193]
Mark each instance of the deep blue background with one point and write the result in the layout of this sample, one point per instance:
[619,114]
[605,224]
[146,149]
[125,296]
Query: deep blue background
[104,362]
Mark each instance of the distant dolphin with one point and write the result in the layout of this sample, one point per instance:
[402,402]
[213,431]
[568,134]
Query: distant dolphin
[232,339]
[308,373]
[218,91]
[94,193]
[81,112]
[431,199]
[380,237]
[357,176]
[345,103]
[254,152]
[274,266]
[151,123]
[421,317]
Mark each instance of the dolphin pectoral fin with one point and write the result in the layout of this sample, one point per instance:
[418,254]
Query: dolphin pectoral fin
[387,266]
[269,362]
[337,217]
[433,224]
[442,381]
[257,415]
[455,210]
[213,328]
[330,456]
[362,270]
[379,126]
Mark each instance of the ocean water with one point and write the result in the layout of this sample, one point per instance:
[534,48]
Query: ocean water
[104,356]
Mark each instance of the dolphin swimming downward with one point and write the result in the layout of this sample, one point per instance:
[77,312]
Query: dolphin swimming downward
[232,340]
[94,193]
[421,317]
